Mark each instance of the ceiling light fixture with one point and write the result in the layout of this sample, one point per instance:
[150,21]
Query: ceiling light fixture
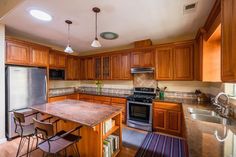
[68,48]
[41,15]
[96,43]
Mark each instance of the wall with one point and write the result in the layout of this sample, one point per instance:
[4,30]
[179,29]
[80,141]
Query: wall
[63,84]
[109,84]
[2,83]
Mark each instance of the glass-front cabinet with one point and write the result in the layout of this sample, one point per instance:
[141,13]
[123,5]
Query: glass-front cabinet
[102,68]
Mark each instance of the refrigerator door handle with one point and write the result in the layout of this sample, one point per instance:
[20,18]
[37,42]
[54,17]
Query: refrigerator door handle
[46,88]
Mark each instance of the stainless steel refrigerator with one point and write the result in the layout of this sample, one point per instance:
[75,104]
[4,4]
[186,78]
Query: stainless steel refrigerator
[25,86]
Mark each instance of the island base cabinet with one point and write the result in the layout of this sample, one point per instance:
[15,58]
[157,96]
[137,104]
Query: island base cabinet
[91,143]
[167,118]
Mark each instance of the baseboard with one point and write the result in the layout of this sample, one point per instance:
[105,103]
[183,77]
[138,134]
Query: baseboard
[3,140]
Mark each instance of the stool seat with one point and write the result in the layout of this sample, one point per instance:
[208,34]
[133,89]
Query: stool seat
[28,130]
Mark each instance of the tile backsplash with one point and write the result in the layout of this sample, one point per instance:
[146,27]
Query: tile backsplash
[145,80]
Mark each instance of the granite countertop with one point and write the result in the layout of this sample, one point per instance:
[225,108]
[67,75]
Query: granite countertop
[93,93]
[200,135]
[85,113]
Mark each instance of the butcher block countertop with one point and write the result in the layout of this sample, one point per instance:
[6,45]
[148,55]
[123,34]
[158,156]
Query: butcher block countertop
[85,113]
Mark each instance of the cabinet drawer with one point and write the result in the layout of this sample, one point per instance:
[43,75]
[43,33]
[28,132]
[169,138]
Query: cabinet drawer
[167,106]
[72,96]
[102,98]
[58,98]
[85,97]
[118,100]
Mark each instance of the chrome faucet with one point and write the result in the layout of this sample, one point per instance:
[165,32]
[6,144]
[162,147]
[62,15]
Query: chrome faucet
[223,108]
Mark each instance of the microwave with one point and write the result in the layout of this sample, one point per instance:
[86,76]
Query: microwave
[56,74]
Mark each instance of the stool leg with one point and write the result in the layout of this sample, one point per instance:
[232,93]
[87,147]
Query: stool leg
[28,146]
[19,147]
[77,149]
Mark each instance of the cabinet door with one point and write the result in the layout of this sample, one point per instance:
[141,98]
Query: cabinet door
[174,121]
[61,61]
[125,67]
[39,56]
[52,59]
[164,64]
[106,66]
[58,98]
[159,119]
[89,69]
[136,59]
[147,58]
[228,57]
[98,68]
[72,68]
[183,62]
[82,69]
[17,53]
[116,67]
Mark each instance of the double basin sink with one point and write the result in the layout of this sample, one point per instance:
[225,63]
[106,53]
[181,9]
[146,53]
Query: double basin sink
[207,116]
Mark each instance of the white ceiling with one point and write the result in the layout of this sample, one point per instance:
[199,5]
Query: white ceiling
[159,20]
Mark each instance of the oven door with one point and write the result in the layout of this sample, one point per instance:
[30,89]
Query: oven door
[139,112]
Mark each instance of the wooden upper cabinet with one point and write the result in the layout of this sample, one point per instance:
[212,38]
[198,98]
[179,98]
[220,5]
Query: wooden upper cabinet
[125,73]
[89,68]
[116,67]
[164,63]
[82,69]
[106,68]
[183,62]
[228,54]
[39,56]
[98,68]
[72,68]
[17,53]
[57,59]
[142,58]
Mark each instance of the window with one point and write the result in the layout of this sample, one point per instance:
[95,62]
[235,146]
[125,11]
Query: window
[230,89]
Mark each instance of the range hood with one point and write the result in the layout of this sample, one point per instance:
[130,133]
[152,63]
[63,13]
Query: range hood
[142,70]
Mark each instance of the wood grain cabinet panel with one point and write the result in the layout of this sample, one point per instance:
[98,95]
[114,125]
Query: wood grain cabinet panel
[159,119]
[106,68]
[98,68]
[116,67]
[142,58]
[72,68]
[57,59]
[228,54]
[58,98]
[61,61]
[17,53]
[183,62]
[39,56]
[125,67]
[167,118]
[164,64]
[89,68]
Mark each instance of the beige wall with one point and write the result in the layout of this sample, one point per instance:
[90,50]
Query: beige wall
[63,84]
[2,83]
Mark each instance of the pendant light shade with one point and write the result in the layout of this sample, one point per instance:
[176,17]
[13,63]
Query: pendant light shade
[96,43]
[68,48]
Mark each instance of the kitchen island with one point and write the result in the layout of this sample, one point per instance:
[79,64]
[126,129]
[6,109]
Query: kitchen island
[92,116]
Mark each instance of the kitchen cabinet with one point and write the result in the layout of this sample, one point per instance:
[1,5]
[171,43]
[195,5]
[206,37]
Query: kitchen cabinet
[57,59]
[164,63]
[89,68]
[142,58]
[57,98]
[86,97]
[183,62]
[98,68]
[102,100]
[228,54]
[72,68]
[17,53]
[120,102]
[39,56]
[106,66]
[125,73]
[116,67]
[167,118]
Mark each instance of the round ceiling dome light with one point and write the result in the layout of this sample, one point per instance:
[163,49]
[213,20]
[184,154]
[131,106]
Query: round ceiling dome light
[109,35]
[41,15]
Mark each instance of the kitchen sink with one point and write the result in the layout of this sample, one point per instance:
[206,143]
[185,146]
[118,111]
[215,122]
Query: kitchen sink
[210,118]
[201,111]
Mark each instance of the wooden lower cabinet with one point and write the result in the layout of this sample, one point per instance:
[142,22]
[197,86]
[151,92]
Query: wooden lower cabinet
[167,118]
[61,98]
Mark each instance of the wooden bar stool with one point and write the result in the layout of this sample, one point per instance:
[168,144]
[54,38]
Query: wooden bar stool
[53,144]
[24,130]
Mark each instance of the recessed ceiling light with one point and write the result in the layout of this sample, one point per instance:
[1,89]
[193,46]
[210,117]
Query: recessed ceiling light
[41,15]
[109,35]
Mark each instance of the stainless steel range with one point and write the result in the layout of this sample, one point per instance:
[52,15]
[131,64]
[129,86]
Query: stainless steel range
[139,108]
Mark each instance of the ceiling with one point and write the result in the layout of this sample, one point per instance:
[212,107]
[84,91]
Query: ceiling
[158,20]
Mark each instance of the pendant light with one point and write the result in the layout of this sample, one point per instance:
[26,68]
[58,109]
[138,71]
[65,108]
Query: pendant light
[68,48]
[96,43]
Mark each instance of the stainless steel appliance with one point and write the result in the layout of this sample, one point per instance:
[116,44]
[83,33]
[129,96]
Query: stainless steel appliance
[56,74]
[139,108]
[142,70]
[25,86]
